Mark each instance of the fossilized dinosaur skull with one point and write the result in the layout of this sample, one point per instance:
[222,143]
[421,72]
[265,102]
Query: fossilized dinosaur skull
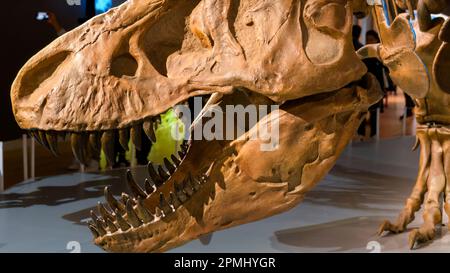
[121,69]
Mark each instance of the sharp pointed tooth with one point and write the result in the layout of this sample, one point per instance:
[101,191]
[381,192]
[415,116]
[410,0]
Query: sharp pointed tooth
[162,173]
[131,215]
[149,186]
[111,226]
[124,138]
[158,212]
[78,147]
[184,146]
[104,212]
[113,203]
[135,188]
[175,160]
[95,143]
[125,197]
[174,200]
[149,130]
[124,226]
[154,176]
[94,231]
[188,188]
[35,135]
[93,215]
[195,183]
[169,166]
[52,140]
[180,194]
[164,205]
[107,141]
[43,140]
[100,227]
[136,136]
[157,121]
[143,213]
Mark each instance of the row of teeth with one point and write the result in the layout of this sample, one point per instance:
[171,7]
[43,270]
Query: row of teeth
[130,212]
[87,144]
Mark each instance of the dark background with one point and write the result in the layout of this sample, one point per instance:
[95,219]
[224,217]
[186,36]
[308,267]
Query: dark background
[22,36]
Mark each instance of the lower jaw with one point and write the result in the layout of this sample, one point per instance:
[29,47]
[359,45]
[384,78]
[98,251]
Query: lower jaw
[201,215]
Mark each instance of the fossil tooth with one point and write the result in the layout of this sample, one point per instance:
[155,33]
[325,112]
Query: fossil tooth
[124,138]
[175,160]
[142,212]
[43,140]
[35,135]
[149,131]
[149,186]
[136,136]
[135,188]
[158,212]
[174,200]
[100,227]
[124,226]
[94,231]
[164,205]
[154,176]
[52,140]
[162,173]
[111,226]
[188,188]
[95,143]
[180,193]
[93,215]
[78,147]
[113,203]
[193,183]
[125,197]
[104,212]
[157,120]
[169,166]
[107,141]
[131,215]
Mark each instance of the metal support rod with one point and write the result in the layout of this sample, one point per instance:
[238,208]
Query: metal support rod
[25,156]
[2,171]
[33,159]
[405,116]
[377,137]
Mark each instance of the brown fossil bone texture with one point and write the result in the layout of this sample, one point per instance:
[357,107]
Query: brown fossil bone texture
[118,72]
[418,55]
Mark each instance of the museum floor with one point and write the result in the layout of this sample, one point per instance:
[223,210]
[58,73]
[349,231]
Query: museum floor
[368,184]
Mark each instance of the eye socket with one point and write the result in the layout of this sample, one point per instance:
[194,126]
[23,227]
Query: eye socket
[329,16]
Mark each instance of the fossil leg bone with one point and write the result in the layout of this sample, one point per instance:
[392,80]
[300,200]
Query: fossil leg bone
[415,200]
[435,183]
[426,58]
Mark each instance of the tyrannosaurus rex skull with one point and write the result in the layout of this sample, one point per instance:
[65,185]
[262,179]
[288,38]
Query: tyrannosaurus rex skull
[121,69]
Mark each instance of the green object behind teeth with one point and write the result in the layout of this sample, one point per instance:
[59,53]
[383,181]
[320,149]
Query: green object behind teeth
[164,146]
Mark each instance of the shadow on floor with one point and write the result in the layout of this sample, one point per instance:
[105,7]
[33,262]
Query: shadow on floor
[342,235]
[358,234]
[357,189]
[58,195]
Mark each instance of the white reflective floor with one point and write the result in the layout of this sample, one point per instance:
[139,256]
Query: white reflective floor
[368,184]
